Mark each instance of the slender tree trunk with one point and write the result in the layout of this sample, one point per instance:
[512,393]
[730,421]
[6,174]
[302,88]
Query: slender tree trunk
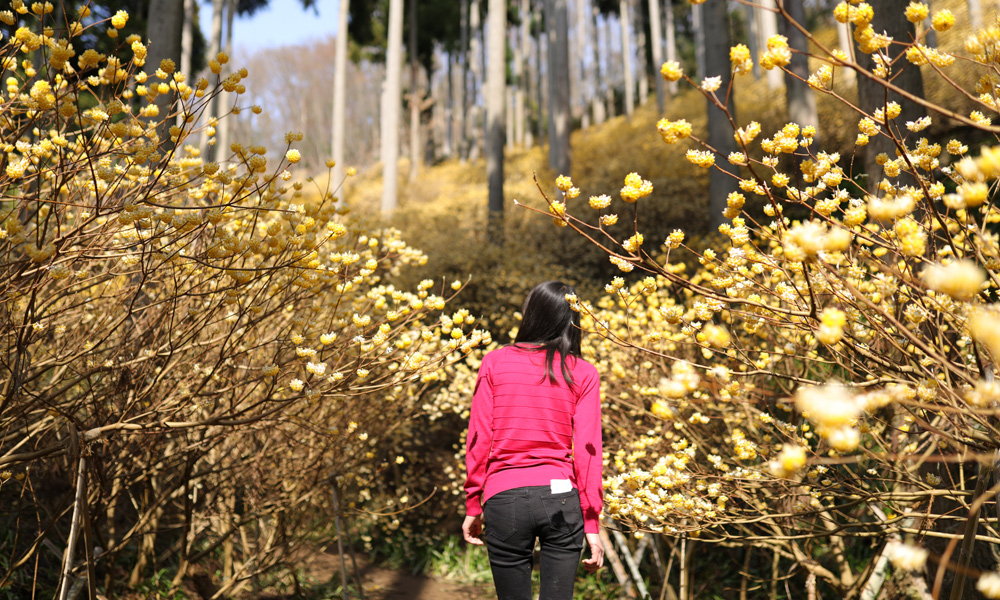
[461,142]
[475,124]
[847,76]
[496,82]
[657,44]
[640,42]
[753,36]
[226,120]
[544,110]
[557,22]
[800,97]
[767,25]
[670,30]
[531,84]
[449,111]
[340,93]
[597,100]
[214,47]
[698,25]
[625,19]
[872,95]
[415,95]
[391,102]
[163,29]
[187,36]
[720,132]
[583,83]
[515,119]
[611,79]
[975,15]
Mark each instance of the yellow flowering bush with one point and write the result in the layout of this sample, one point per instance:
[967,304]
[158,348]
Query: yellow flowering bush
[193,351]
[817,381]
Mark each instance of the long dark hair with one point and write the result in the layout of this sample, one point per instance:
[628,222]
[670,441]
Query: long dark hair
[549,322]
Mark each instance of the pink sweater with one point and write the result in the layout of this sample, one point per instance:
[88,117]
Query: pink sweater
[525,431]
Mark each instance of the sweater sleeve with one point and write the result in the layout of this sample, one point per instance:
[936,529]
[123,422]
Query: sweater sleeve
[479,441]
[588,453]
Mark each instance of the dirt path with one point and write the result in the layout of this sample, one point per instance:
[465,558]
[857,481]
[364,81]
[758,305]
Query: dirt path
[391,584]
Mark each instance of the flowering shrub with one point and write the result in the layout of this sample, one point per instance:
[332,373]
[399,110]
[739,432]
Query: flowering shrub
[828,375]
[192,352]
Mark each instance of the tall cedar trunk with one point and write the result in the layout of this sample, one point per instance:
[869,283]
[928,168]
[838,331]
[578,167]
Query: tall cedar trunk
[524,75]
[226,121]
[640,50]
[656,41]
[625,19]
[475,125]
[847,76]
[391,102]
[449,111]
[583,82]
[496,88]
[799,96]
[767,26]
[163,29]
[340,93]
[671,35]
[557,22]
[214,47]
[415,96]
[610,77]
[872,95]
[515,120]
[975,14]
[462,100]
[698,24]
[753,36]
[541,59]
[187,49]
[597,100]
[720,132]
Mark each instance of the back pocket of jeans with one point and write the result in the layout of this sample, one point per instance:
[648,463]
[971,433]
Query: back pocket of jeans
[500,515]
[564,511]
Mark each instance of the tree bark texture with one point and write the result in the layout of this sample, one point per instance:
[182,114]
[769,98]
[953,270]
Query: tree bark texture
[625,20]
[340,94]
[416,96]
[391,102]
[656,39]
[475,125]
[557,22]
[214,47]
[163,29]
[496,93]
[720,132]
[799,96]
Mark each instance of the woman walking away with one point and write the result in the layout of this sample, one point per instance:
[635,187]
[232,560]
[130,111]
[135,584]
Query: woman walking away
[533,454]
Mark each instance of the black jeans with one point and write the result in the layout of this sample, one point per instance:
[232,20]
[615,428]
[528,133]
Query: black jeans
[513,520]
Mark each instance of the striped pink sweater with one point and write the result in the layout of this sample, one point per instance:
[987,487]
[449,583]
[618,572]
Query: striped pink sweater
[525,431]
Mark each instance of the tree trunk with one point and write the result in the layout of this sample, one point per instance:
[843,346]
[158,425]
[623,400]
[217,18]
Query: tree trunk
[611,81]
[698,24]
[391,103]
[475,125]
[753,36]
[656,39]
[226,119]
[163,29]
[670,31]
[415,96]
[449,111]
[214,47]
[340,94]
[625,20]
[848,76]
[496,93]
[187,48]
[799,96]
[975,15]
[557,23]
[872,95]
[597,100]
[720,132]
[767,25]
[583,83]
[461,139]
[527,76]
[640,50]
[515,119]
[542,58]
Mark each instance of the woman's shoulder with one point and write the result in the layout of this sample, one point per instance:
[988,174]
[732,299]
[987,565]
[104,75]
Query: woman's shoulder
[582,366]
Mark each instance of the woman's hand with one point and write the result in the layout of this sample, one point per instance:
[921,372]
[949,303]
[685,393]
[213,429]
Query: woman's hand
[596,559]
[472,527]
